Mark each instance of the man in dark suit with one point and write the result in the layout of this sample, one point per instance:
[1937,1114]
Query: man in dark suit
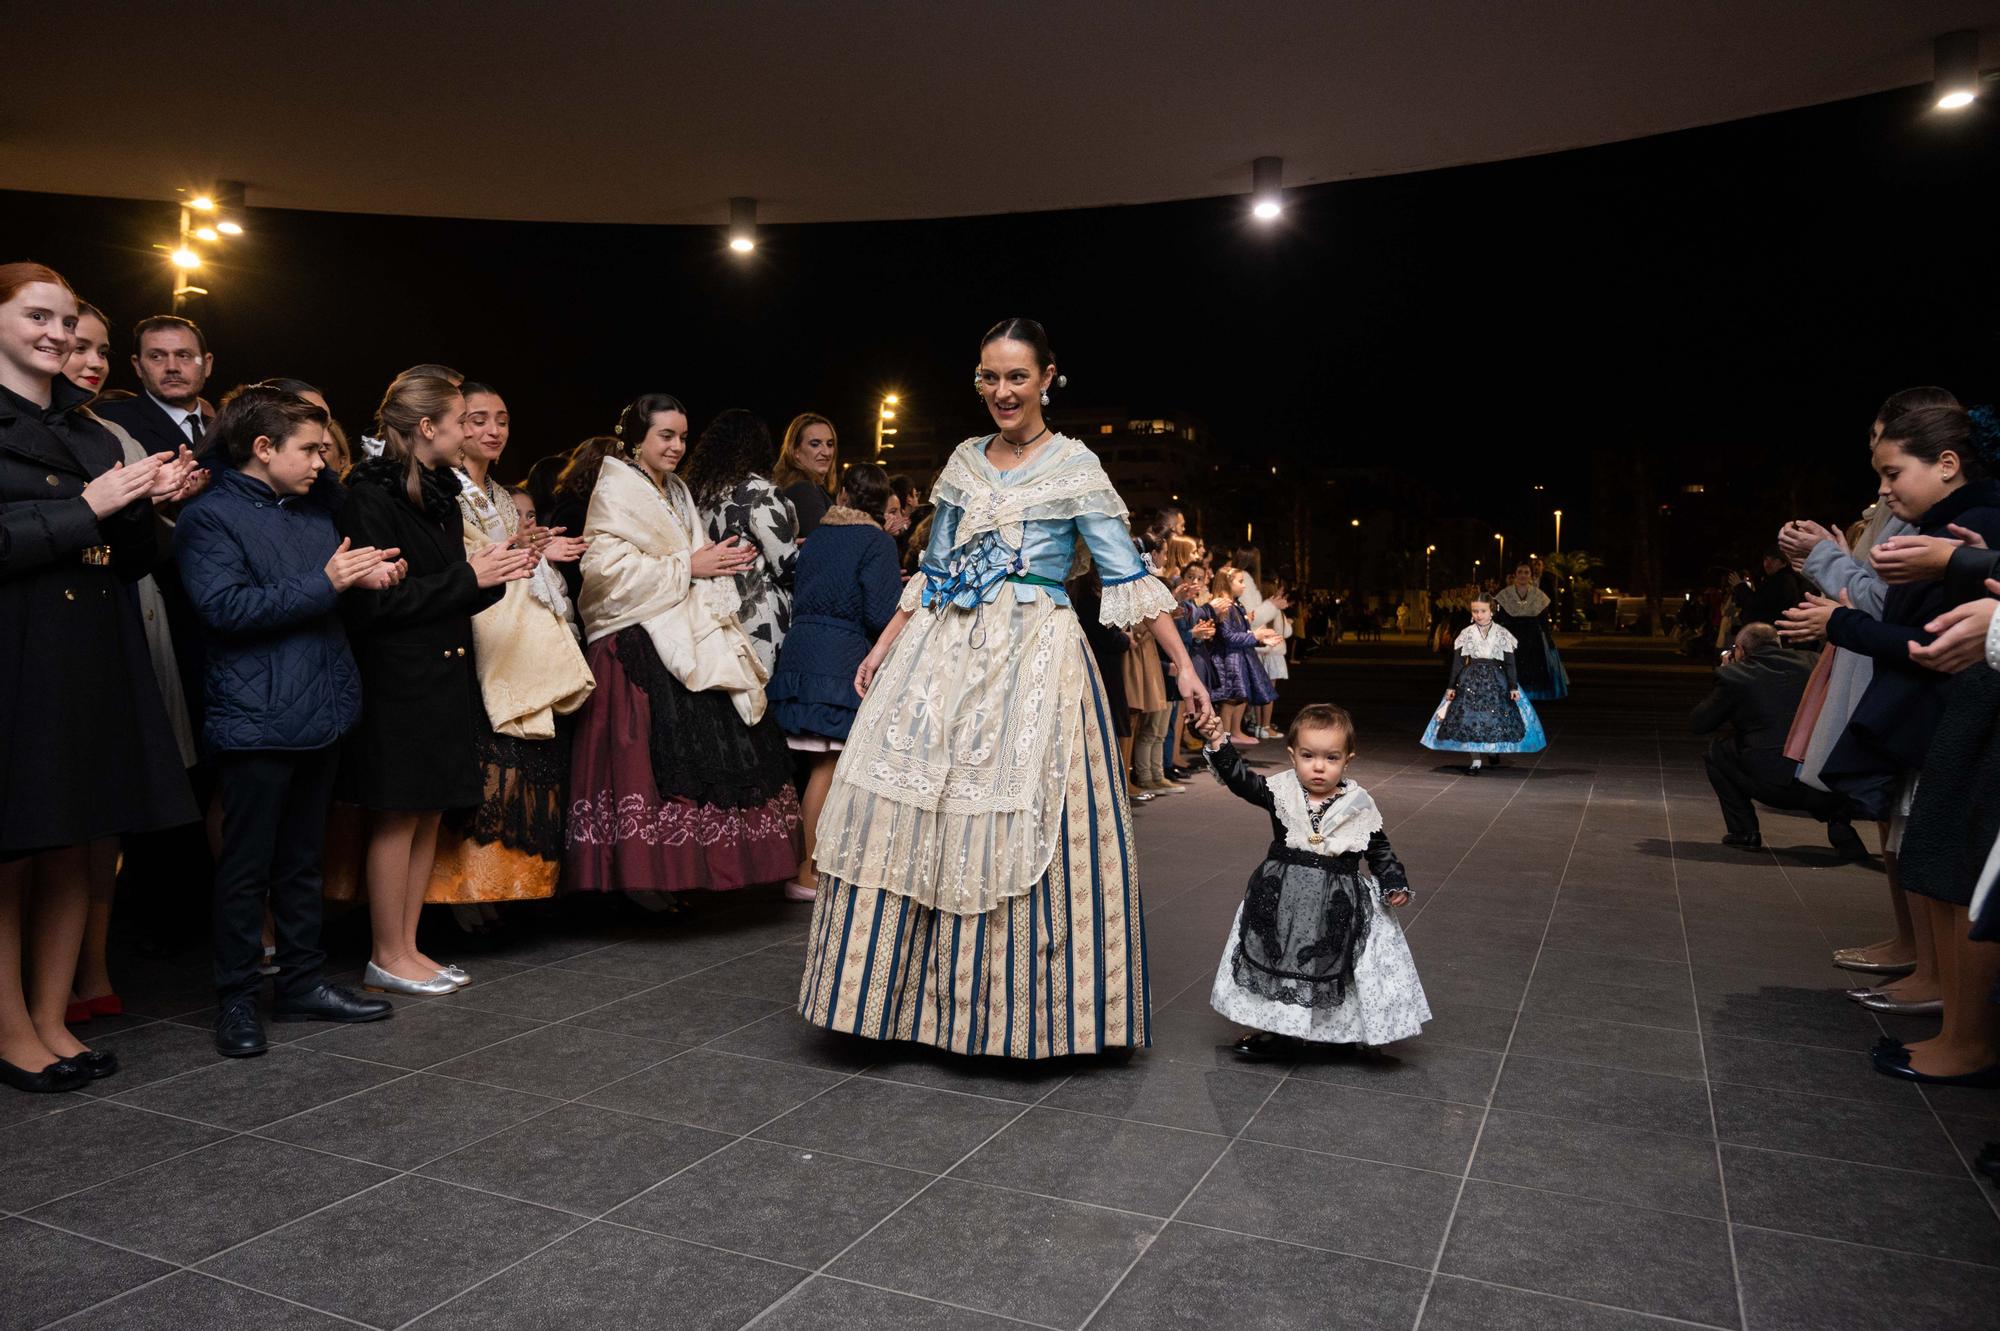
[1756,694]
[173,363]
[171,872]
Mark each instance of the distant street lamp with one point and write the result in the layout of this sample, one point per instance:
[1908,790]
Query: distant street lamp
[209,230]
[885,413]
[1501,562]
[1559,531]
[1429,550]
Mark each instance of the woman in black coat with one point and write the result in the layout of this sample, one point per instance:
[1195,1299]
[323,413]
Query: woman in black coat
[414,753]
[85,748]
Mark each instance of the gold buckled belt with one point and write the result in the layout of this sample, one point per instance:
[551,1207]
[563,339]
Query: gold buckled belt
[97,555]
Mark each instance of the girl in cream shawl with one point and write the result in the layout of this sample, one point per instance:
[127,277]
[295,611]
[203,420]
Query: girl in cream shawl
[679,780]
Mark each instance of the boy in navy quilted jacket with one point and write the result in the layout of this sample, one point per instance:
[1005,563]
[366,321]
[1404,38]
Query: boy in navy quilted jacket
[265,568]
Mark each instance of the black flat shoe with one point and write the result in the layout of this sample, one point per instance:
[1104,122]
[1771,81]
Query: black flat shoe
[99,1063]
[1263,1046]
[238,1033]
[61,1075]
[1745,840]
[330,1002]
[1898,1065]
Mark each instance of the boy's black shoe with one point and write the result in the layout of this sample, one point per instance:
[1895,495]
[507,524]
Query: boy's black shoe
[331,1002]
[1263,1046]
[238,1033]
[1745,840]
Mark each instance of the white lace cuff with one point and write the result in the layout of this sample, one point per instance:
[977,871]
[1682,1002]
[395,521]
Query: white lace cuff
[913,594]
[1993,642]
[1134,602]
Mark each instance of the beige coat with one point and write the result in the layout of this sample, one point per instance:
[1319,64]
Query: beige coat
[636,572]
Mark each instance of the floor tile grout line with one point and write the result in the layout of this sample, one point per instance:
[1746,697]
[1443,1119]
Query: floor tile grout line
[942,1303]
[1214,1165]
[196,1274]
[398,1174]
[1513,1032]
[1701,1045]
[658,1183]
[1667,1318]
[861,1238]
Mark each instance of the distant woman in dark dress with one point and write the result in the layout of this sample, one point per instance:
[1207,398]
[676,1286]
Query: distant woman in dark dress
[844,595]
[808,470]
[85,748]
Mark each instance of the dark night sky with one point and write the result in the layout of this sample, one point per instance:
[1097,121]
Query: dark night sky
[1734,300]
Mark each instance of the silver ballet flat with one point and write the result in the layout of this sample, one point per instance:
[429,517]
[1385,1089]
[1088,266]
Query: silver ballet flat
[1863,995]
[378,981]
[455,975]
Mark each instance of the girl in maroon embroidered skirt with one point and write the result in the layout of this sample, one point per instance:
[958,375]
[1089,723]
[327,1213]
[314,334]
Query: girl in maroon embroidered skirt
[673,785]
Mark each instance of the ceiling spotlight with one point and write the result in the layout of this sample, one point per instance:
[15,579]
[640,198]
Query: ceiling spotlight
[229,228]
[1957,78]
[1267,195]
[743,225]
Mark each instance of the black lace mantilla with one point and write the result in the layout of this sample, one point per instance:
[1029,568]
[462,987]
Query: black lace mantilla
[700,748]
[526,792]
[1304,925]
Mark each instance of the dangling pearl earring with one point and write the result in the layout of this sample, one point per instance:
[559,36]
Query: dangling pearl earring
[1045,399]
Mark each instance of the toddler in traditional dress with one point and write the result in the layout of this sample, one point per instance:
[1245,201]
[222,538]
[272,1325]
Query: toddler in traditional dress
[1315,957]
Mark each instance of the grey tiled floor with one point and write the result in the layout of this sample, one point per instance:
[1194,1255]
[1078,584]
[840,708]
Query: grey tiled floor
[1642,1103]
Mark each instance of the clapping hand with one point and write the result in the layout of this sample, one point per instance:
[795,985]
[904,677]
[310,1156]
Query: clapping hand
[367,567]
[1806,621]
[494,565]
[721,559]
[1961,635]
[122,485]
[1905,559]
[1797,539]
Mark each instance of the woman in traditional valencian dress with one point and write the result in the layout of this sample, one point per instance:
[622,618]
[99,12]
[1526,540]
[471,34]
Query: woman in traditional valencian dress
[1522,608]
[531,672]
[978,889]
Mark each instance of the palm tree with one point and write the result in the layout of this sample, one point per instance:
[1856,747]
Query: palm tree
[1573,569]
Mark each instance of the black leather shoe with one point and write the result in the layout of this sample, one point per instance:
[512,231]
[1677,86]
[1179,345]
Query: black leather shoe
[1263,1046]
[1846,842]
[1898,1065]
[1745,840]
[99,1063]
[61,1075]
[238,1033]
[330,1002]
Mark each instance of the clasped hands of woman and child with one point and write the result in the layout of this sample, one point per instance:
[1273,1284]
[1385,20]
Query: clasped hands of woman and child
[1959,634]
[1319,760]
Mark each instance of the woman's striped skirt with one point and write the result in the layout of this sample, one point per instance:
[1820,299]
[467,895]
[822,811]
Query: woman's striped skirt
[1059,970]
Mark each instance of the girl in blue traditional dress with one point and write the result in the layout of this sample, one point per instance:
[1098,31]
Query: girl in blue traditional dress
[978,887]
[1484,712]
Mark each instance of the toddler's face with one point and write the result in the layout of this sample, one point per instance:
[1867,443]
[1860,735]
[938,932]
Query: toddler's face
[1319,757]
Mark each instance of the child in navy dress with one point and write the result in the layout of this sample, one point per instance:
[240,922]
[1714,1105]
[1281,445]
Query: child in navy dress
[1315,957]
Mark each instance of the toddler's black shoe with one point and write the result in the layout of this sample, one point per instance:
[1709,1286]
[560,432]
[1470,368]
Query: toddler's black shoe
[1263,1046]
